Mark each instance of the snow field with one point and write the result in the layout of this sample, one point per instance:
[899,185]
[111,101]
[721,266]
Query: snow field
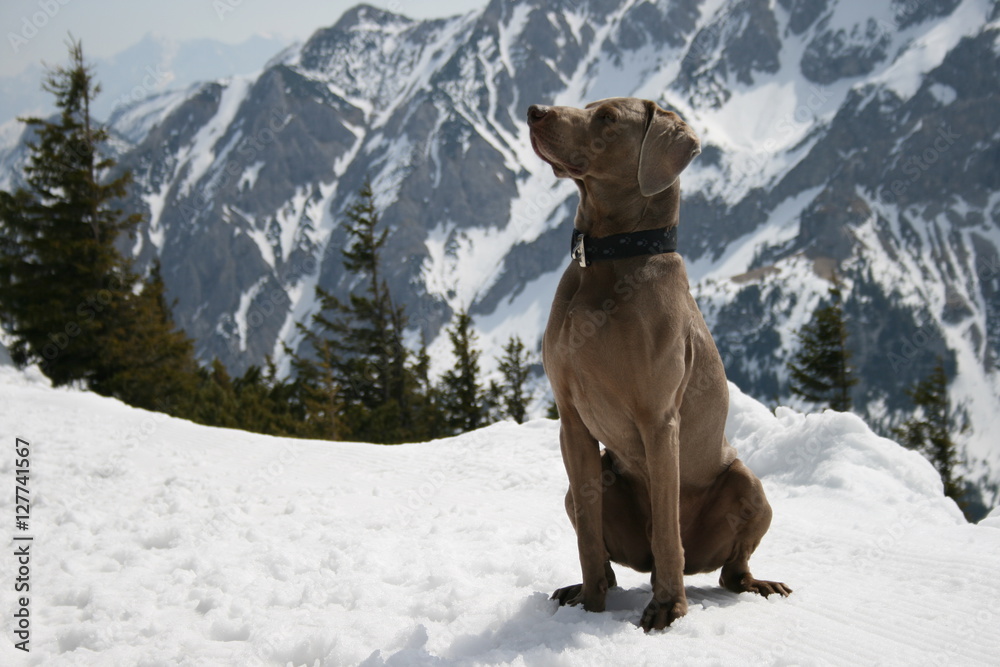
[160,542]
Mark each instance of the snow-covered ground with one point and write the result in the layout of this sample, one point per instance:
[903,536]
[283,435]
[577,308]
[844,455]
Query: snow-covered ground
[159,542]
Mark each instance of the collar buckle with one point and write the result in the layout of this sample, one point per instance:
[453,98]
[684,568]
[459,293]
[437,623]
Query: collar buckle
[579,252]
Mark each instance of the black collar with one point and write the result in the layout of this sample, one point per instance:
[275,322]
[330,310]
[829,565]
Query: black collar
[587,249]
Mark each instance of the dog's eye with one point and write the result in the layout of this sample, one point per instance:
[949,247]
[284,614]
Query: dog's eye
[607,116]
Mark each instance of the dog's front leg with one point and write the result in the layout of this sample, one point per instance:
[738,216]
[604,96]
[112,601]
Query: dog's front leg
[582,456]
[661,441]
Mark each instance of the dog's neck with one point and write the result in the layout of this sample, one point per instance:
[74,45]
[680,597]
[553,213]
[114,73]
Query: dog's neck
[641,213]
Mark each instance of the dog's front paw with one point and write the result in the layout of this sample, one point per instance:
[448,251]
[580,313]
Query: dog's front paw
[574,595]
[571,595]
[659,615]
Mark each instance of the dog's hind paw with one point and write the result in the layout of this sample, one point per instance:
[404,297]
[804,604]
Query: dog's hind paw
[766,588]
[747,584]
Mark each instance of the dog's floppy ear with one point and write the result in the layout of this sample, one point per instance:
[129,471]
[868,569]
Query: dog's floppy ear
[668,147]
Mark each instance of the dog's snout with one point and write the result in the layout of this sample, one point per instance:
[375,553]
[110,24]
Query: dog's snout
[537,112]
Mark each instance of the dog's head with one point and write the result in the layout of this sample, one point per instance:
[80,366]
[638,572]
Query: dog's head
[623,140]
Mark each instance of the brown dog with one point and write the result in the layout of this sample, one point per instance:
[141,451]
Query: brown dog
[633,366]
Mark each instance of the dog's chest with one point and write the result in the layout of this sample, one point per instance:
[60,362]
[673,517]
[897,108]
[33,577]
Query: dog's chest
[611,342]
[608,359]
[607,337]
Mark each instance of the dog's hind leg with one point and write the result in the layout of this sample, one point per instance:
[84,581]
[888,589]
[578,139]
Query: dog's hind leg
[736,577]
[732,524]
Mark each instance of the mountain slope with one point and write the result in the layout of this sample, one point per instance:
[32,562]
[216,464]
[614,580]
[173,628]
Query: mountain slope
[157,537]
[837,137]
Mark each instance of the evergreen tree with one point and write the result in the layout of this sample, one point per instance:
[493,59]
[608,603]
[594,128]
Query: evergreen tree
[428,415]
[929,431]
[215,402]
[146,361]
[820,371]
[514,366]
[318,389]
[377,333]
[61,277]
[267,404]
[366,353]
[256,401]
[67,296]
[493,404]
[462,396]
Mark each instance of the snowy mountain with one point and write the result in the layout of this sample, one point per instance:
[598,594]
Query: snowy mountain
[157,541]
[837,136]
